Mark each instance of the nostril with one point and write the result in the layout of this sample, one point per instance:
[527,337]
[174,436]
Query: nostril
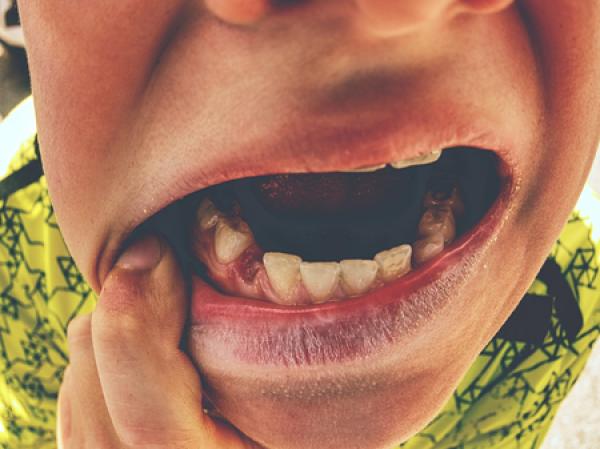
[238,12]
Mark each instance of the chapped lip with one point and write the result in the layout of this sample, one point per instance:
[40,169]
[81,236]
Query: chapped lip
[257,332]
[355,146]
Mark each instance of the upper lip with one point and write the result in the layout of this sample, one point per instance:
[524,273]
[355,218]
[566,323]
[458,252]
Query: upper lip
[323,149]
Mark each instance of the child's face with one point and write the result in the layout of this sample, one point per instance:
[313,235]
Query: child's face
[141,102]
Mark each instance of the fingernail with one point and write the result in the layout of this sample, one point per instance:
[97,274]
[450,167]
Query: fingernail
[143,254]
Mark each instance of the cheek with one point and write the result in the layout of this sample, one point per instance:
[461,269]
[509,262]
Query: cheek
[91,64]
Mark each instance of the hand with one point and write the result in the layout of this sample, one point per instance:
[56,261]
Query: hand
[128,385]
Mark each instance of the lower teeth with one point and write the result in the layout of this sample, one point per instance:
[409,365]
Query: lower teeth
[234,261]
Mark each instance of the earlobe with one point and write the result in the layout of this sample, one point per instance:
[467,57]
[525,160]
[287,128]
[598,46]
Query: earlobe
[238,12]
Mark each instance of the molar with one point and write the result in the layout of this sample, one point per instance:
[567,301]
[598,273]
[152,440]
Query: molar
[394,262]
[207,215]
[419,160]
[320,279]
[438,220]
[283,271]
[427,248]
[230,243]
[445,198]
[358,275]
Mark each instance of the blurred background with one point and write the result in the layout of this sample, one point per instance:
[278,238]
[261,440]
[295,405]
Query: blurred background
[577,425]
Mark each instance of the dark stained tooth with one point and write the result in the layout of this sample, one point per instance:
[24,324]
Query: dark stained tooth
[444,192]
[427,248]
[207,215]
[438,220]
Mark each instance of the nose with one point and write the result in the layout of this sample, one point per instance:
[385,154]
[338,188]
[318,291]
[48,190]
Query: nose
[382,16]
[391,17]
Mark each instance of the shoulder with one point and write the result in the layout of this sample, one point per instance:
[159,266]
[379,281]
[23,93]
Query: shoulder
[41,290]
[16,137]
[577,251]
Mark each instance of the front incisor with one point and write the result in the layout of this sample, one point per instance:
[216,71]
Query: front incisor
[320,279]
[283,271]
[358,275]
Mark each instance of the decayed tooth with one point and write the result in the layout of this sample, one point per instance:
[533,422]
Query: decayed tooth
[358,275]
[438,220]
[283,271]
[320,279]
[230,243]
[207,214]
[444,193]
[419,160]
[365,169]
[394,262]
[427,248]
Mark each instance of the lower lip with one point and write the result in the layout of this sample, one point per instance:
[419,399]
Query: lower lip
[261,333]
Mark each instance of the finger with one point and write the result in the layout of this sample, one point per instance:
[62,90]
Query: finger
[152,390]
[85,415]
[64,438]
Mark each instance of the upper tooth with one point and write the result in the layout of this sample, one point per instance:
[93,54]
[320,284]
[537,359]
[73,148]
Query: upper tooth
[283,271]
[394,262]
[365,169]
[438,220]
[320,279]
[207,214]
[419,160]
[428,248]
[230,243]
[358,275]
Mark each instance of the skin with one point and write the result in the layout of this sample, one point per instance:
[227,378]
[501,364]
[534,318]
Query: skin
[150,90]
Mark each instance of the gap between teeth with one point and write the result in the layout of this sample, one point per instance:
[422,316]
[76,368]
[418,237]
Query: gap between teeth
[220,242]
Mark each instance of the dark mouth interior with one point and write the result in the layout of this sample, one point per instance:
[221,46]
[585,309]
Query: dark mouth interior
[335,216]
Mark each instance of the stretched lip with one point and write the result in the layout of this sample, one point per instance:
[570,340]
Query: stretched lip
[328,148]
[262,333]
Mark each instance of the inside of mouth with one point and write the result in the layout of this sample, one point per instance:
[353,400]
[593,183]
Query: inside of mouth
[336,216]
[309,238]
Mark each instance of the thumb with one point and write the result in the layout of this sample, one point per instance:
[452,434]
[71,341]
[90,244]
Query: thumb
[151,388]
[146,289]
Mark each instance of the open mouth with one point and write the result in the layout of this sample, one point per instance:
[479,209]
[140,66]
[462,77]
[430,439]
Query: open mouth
[308,239]
[322,268]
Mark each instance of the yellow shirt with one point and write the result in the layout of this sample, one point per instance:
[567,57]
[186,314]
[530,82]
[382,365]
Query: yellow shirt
[507,399]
